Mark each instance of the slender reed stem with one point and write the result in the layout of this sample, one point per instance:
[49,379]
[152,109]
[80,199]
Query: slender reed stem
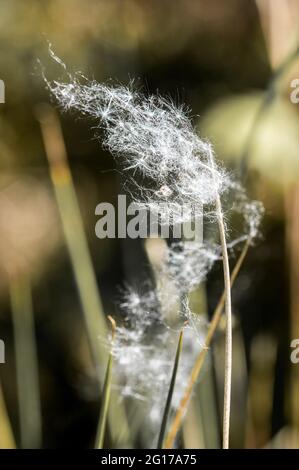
[74,232]
[176,423]
[170,392]
[228,333]
[106,392]
[26,362]
[228,315]
[80,256]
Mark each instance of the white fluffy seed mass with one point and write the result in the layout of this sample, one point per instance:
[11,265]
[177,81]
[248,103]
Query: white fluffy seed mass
[151,135]
[188,263]
[154,140]
[144,351]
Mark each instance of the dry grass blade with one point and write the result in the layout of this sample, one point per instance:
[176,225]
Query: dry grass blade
[201,357]
[106,392]
[228,314]
[228,330]
[170,392]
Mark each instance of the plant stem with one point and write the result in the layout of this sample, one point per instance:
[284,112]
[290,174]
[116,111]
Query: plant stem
[26,362]
[228,313]
[228,333]
[74,233]
[80,257]
[170,392]
[176,423]
[106,392]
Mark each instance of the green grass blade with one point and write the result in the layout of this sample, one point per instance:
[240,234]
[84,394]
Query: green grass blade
[170,392]
[80,257]
[26,362]
[106,394]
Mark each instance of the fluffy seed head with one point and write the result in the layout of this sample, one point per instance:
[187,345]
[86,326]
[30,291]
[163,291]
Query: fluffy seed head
[151,136]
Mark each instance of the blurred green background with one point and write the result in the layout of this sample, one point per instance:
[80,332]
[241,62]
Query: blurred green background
[232,63]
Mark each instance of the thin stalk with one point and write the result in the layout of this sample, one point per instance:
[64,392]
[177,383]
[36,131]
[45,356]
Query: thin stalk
[7,440]
[77,245]
[26,362]
[176,423]
[228,315]
[170,392]
[106,392]
[74,233]
[228,331]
